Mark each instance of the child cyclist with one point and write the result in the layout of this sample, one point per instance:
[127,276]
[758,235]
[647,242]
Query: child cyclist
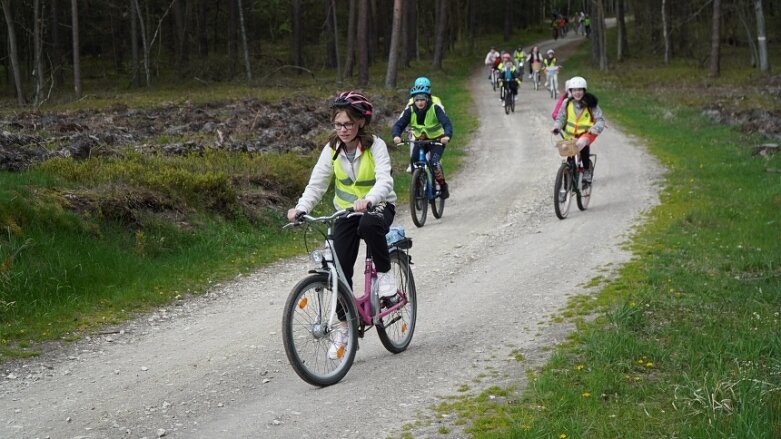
[510,77]
[359,165]
[580,117]
[426,116]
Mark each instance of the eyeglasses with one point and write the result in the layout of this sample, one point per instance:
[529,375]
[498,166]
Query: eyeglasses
[344,126]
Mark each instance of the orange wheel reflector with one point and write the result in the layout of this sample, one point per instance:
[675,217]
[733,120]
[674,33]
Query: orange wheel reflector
[404,327]
[340,352]
[302,303]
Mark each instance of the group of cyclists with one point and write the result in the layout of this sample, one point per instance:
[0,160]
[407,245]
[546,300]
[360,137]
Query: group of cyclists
[508,68]
[358,162]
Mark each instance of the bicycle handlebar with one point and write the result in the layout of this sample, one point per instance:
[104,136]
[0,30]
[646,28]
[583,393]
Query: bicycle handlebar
[306,218]
[421,142]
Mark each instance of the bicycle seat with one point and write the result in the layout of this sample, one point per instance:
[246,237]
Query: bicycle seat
[403,244]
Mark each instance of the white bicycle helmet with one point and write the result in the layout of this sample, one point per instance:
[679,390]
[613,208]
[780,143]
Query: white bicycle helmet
[576,82]
[550,52]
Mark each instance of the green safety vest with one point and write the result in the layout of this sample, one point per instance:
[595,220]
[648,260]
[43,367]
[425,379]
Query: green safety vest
[347,191]
[577,124]
[431,126]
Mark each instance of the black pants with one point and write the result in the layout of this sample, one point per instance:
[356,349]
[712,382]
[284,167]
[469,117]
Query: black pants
[371,227]
[584,160]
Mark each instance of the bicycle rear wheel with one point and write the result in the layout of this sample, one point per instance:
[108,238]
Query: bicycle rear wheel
[304,334]
[396,329]
[584,196]
[418,201]
[562,191]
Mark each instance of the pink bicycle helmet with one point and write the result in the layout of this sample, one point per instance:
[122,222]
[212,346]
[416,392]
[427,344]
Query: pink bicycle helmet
[357,101]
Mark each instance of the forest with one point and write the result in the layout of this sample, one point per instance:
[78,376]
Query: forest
[55,49]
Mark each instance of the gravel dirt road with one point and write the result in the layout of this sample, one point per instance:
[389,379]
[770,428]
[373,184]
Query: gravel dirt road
[490,275]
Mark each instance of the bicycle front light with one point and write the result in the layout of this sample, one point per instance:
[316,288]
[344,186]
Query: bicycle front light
[317,256]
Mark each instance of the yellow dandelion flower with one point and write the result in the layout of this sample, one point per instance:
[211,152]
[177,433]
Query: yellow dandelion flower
[579,367]
[649,364]
[563,436]
[586,394]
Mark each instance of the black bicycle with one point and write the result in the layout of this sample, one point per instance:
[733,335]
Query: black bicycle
[569,179]
[424,191]
[509,99]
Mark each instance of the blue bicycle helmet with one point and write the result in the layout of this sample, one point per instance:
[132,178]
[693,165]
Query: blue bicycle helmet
[422,85]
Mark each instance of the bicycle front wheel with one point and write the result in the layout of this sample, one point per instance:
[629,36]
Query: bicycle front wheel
[308,344]
[562,191]
[438,203]
[508,101]
[418,201]
[396,329]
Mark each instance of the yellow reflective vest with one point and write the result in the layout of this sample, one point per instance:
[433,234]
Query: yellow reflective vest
[347,190]
[577,124]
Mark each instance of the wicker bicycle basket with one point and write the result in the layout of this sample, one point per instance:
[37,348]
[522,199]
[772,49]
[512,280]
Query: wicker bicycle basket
[567,148]
[536,66]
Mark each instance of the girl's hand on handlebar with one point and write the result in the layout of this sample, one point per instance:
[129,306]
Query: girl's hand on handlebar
[293,214]
[444,140]
[555,130]
[397,140]
[361,205]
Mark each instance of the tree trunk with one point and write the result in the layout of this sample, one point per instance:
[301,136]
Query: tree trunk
[38,51]
[411,41]
[247,68]
[134,46]
[330,34]
[298,54]
[363,43]
[715,41]
[439,45]
[12,46]
[393,55]
[76,53]
[54,28]
[623,42]
[203,35]
[598,36]
[144,45]
[233,39]
[764,63]
[349,60]
[665,33]
[180,22]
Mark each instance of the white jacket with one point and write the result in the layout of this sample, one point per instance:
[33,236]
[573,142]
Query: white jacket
[323,174]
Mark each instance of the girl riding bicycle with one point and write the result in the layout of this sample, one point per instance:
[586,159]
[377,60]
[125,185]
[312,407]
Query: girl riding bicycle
[580,118]
[428,121]
[360,166]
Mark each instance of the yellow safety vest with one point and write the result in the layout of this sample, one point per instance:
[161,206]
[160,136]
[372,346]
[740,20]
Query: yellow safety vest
[430,127]
[347,191]
[577,124]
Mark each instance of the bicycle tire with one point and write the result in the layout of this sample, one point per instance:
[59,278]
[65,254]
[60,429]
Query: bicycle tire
[562,191]
[306,347]
[493,80]
[508,98]
[584,195]
[418,201]
[512,105]
[438,203]
[397,328]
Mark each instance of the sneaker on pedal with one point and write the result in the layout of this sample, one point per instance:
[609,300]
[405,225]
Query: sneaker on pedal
[338,341]
[386,285]
[587,176]
[443,192]
[409,169]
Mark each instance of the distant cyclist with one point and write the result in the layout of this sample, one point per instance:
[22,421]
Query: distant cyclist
[490,60]
[428,121]
[580,118]
[549,61]
[510,77]
[519,56]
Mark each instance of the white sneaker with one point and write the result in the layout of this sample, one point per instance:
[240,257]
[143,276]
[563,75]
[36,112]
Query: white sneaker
[386,285]
[338,341]
[409,169]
